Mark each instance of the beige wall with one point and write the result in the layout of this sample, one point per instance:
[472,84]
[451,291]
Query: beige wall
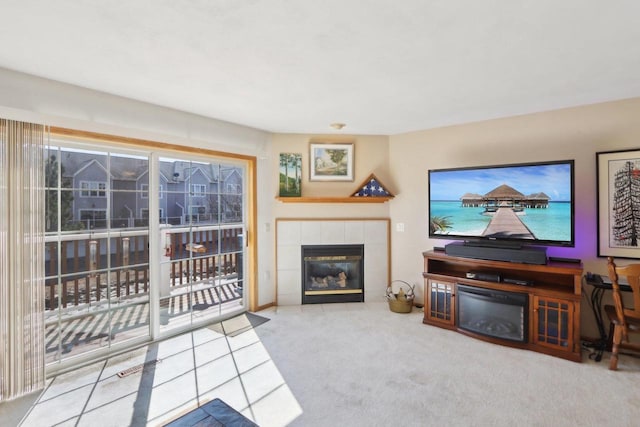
[371,155]
[575,133]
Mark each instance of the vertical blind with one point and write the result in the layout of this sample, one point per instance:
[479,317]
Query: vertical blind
[22,217]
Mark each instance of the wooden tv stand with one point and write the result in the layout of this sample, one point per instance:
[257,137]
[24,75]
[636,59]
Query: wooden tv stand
[554,299]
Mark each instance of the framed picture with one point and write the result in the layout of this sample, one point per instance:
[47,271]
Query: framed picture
[331,162]
[290,174]
[618,203]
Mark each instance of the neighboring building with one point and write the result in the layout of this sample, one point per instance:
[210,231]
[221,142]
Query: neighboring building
[117,189]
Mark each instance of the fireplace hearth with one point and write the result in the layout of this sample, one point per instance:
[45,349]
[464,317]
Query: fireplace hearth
[332,273]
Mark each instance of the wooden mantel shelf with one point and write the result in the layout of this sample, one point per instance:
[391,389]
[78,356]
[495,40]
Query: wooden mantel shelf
[333,199]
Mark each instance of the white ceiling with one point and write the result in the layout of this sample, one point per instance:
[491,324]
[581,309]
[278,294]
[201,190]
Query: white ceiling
[380,66]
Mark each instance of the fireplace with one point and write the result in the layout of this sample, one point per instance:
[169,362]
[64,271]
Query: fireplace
[493,313]
[332,273]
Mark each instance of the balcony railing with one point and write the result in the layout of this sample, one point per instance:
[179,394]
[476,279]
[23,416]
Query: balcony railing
[97,284]
[87,268]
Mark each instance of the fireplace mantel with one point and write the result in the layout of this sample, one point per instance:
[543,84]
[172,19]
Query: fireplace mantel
[377,199]
[293,233]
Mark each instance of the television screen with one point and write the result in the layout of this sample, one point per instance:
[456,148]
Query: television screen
[520,203]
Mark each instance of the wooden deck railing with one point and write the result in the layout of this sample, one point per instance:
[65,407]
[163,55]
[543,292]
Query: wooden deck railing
[87,268]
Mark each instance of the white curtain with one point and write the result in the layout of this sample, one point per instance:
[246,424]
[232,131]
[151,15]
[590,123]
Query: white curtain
[22,214]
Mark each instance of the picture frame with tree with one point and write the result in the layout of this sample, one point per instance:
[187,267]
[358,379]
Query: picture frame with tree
[331,162]
[290,175]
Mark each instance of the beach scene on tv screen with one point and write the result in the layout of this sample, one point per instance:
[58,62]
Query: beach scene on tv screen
[531,202]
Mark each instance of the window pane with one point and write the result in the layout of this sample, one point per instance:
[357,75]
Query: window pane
[92,280]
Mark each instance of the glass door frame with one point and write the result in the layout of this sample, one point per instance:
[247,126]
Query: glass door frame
[157,149]
[187,230]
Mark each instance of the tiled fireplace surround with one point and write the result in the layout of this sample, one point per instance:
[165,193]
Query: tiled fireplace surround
[291,234]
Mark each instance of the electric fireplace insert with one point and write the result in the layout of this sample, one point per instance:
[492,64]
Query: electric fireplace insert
[493,313]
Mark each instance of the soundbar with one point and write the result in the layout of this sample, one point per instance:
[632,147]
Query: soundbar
[525,255]
[562,259]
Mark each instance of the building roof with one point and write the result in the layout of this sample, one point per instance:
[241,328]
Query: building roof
[504,191]
[471,196]
[540,195]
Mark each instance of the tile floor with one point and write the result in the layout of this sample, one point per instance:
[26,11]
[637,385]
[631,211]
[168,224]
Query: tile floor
[191,369]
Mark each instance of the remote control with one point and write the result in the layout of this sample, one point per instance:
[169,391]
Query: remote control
[518,281]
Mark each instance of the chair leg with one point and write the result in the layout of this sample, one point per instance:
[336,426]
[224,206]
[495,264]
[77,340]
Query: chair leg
[617,338]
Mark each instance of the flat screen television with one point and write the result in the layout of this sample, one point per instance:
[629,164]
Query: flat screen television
[505,205]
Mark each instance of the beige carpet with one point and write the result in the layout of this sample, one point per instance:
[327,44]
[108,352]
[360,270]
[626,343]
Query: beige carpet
[361,365]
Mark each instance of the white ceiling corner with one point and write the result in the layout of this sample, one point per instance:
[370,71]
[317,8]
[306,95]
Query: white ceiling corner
[380,66]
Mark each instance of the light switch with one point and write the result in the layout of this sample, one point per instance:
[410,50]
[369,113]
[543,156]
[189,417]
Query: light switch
[400,227]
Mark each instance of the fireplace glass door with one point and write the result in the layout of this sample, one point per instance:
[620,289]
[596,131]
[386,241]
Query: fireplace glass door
[332,273]
[493,313]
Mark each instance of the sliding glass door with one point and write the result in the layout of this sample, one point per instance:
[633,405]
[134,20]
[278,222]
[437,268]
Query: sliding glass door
[202,236]
[138,245]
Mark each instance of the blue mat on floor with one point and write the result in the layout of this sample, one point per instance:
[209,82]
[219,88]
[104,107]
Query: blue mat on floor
[213,414]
